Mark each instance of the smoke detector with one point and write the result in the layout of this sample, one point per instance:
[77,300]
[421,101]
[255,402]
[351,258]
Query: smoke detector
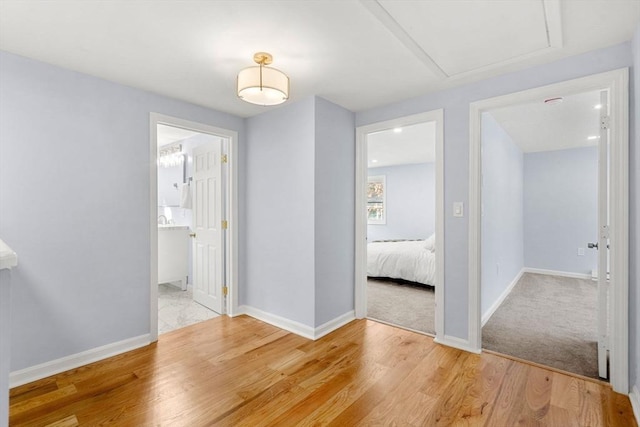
[553,101]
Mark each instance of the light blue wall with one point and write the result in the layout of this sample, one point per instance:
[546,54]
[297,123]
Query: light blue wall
[334,210]
[561,209]
[634,217]
[411,202]
[279,215]
[455,103]
[300,212]
[502,211]
[74,203]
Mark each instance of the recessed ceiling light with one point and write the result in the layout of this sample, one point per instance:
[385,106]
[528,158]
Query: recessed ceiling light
[553,101]
[397,130]
[374,161]
[592,137]
[597,107]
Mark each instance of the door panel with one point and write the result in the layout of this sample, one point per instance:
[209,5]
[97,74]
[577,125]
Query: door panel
[208,242]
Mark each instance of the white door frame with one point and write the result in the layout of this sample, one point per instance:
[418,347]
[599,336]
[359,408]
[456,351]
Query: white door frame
[617,83]
[436,116]
[231,212]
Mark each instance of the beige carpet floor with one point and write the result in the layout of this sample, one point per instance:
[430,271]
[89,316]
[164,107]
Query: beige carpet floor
[548,320]
[401,304]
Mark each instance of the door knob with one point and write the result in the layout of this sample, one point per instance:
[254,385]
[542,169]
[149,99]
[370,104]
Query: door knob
[592,245]
[194,235]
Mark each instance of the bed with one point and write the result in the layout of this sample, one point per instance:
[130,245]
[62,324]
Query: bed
[411,260]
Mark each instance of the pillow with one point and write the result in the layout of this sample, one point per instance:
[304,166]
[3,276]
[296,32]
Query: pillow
[430,243]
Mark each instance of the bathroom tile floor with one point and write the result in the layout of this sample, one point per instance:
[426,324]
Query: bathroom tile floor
[177,309]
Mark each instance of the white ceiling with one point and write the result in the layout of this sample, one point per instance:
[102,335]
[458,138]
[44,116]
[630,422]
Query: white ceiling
[407,145]
[358,54]
[168,134]
[546,127]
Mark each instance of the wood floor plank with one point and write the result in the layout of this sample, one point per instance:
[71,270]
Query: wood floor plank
[243,372]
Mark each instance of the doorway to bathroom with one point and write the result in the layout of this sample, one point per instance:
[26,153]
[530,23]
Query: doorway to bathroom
[193,238]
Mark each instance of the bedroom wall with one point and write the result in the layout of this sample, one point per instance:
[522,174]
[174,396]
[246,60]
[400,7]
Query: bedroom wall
[280,200]
[502,211]
[455,102]
[561,209]
[74,203]
[411,199]
[334,210]
[634,219]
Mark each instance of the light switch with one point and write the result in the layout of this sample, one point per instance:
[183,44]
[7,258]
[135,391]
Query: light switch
[458,209]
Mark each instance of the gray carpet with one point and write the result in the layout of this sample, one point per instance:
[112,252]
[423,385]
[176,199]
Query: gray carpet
[401,304]
[548,320]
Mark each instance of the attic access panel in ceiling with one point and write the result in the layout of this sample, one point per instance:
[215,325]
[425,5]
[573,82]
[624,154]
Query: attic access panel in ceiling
[461,36]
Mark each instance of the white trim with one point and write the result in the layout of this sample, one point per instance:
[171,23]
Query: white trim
[332,325]
[619,230]
[279,322]
[231,242]
[616,82]
[73,361]
[487,315]
[558,273]
[634,397]
[361,213]
[456,342]
[297,327]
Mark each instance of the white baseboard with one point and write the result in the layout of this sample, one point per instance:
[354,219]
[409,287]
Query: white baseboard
[297,327]
[634,397]
[73,361]
[486,316]
[458,343]
[332,325]
[558,273]
[279,322]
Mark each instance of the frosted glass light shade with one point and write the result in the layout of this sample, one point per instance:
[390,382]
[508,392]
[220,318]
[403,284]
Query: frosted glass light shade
[274,89]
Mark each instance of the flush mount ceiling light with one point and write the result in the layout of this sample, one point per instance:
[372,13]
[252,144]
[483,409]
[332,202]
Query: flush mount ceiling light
[263,85]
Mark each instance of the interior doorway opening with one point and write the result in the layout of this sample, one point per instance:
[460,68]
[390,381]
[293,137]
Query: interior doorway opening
[190,226]
[614,234]
[193,223]
[541,299]
[399,222]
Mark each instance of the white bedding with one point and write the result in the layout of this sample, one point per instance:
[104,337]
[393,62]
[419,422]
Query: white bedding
[407,260]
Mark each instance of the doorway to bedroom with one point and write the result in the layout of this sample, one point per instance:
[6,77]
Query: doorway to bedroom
[399,216]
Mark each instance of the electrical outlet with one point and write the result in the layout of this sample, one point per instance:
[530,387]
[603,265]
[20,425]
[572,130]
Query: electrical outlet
[580,251]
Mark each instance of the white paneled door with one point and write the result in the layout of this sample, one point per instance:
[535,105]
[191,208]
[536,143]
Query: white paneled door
[208,246]
[603,238]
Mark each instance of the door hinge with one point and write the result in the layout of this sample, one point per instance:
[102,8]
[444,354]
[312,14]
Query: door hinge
[605,232]
[223,158]
[225,290]
[604,122]
[225,224]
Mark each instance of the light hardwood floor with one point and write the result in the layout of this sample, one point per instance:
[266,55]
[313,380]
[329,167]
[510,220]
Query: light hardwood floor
[242,372]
